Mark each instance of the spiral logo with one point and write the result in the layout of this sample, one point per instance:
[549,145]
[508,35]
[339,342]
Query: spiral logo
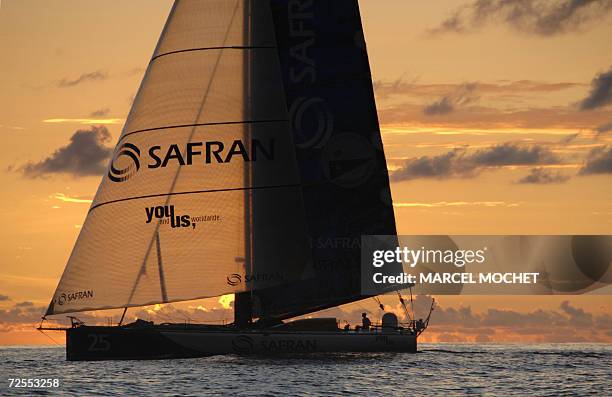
[312,122]
[349,160]
[62,299]
[125,164]
[234,279]
[243,344]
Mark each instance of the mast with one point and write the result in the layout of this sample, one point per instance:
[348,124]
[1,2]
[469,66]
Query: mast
[243,302]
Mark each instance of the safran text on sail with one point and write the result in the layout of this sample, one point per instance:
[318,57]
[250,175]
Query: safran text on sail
[210,152]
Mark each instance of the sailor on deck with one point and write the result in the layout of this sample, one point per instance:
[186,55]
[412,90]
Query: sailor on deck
[365,322]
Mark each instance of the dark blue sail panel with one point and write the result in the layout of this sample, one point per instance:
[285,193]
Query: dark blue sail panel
[340,159]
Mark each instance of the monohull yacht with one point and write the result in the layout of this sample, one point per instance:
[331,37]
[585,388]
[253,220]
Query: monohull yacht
[251,163]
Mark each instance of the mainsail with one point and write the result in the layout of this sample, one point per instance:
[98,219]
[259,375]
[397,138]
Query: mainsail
[342,166]
[251,163]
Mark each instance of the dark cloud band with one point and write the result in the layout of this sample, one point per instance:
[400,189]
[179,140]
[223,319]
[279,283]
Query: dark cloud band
[85,155]
[540,17]
[601,92]
[458,163]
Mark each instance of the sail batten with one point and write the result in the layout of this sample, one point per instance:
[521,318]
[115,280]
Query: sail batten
[213,48]
[201,125]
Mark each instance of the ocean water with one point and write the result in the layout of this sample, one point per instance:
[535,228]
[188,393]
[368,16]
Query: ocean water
[438,369]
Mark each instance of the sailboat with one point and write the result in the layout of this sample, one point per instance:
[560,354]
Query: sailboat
[251,163]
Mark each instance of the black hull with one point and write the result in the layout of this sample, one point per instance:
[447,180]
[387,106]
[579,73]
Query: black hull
[117,343]
[166,342]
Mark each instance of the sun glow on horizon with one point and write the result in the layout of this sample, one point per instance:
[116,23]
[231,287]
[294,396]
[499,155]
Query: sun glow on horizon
[226,301]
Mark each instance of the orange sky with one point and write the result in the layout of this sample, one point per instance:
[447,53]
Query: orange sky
[68,65]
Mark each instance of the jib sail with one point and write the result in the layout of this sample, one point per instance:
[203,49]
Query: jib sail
[206,142]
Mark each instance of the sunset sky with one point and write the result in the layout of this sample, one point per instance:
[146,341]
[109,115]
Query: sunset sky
[496,118]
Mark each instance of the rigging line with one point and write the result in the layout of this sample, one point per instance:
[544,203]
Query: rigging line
[178,171]
[401,298]
[43,332]
[411,301]
[382,307]
[122,316]
[162,279]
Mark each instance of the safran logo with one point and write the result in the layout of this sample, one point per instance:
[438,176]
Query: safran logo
[312,122]
[74,296]
[121,173]
[243,344]
[234,279]
[126,162]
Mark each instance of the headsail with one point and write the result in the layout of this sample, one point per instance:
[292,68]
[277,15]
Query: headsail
[173,219]
[251,161]
[341,162]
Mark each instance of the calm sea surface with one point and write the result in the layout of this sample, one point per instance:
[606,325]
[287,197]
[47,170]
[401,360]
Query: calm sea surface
[448,369]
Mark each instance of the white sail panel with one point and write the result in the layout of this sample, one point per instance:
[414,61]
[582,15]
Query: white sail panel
[178,84]
[122,267]
[217,23]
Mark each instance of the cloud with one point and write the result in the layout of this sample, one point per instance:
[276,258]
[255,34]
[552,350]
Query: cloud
[457,204]
[602,129]
[481,117]
[599,161]
[4,298]
[601,92]
[85,155]
[569,138]
[509,104]
[442,106]
[98,75]
[446,165]
[566,323]
[577,315]
[540,176]
[19,316]
[463,95]
[539,17]
[458,163]
[12,127]
[94,121]
[99,113]
[513,154]
[68,199]
[385,89]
